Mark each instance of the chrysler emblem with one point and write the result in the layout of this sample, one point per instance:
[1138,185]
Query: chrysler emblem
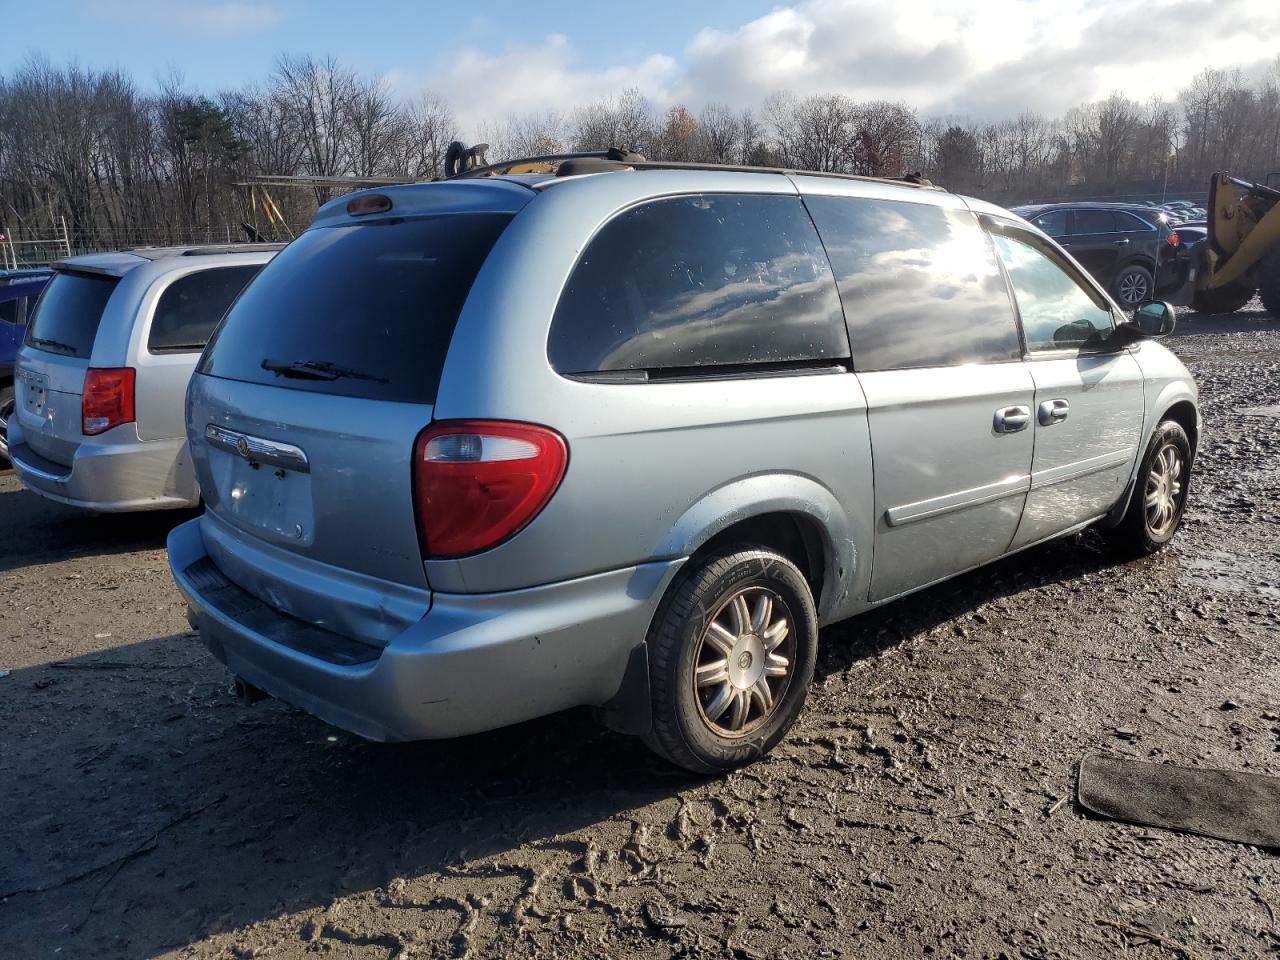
[242,447]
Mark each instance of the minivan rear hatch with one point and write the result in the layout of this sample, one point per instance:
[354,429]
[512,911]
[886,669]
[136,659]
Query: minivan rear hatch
[54,358]
[307,402]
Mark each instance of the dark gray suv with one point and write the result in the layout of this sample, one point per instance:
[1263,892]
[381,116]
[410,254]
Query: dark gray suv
[480,450]
[1132,250]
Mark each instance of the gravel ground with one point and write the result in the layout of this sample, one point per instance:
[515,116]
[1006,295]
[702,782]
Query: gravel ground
[922,807]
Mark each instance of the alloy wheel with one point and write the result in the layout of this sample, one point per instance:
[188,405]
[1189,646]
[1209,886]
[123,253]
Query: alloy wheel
[6,411]
[1133,289]
[744,662]
[1164,490]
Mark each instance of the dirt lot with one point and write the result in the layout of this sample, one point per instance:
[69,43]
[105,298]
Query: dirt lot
[921,808]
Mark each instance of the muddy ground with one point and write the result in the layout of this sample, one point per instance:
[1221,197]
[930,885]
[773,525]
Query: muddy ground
[921,808]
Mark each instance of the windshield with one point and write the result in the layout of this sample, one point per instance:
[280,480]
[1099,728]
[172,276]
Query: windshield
[364,310]
[68,312]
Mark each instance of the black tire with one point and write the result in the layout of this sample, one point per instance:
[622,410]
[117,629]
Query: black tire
[1269,281]
[1134,285]
[684,731]
[1226,299]
[6,411]
[1137,535]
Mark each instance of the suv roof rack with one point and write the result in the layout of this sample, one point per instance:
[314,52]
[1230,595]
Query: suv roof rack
[203,250]
[603,161]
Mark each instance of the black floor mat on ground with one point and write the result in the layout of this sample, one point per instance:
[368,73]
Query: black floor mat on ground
[1243,807]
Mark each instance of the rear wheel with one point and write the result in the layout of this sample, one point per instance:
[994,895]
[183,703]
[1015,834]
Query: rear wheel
[731,654]
[1133,286]
[1159,496]
[6,411]
[1227,299]
[1269,281]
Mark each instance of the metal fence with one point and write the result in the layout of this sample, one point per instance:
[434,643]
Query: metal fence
[26,248]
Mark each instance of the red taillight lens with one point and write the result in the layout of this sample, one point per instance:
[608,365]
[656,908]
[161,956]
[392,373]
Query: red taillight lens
[478,482]
[1174,239]
[107,400]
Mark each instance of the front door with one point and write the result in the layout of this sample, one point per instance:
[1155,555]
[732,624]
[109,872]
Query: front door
[1088,399]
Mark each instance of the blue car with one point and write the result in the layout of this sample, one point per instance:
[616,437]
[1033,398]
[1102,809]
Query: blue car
[18,292]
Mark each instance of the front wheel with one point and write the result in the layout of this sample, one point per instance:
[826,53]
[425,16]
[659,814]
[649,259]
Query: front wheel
[1269,281]
[731,654]
[1159,496]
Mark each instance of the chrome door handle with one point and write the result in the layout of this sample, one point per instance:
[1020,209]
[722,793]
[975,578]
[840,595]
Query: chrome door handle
[1012,419]
[1121,243]
[1052,411]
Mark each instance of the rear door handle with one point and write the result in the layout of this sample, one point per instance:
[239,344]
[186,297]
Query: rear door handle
[1012,419]
[1052,411]
[1121,243]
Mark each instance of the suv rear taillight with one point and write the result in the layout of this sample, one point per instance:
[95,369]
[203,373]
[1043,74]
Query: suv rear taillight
[107,399]
[479,482]
[1174,239]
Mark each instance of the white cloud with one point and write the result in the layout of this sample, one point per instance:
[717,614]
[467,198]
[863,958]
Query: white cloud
[981,59]
[482,86]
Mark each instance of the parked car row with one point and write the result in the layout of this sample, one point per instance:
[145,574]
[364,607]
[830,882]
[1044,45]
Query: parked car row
[480,450]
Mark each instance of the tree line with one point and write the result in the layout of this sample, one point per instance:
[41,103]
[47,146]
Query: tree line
[121,165]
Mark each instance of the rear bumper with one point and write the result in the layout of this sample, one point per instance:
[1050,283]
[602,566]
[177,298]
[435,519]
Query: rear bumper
[473,662]
[112,477]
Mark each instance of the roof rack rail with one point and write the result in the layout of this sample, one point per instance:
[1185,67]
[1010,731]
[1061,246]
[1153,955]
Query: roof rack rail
[212,249]
[601,161]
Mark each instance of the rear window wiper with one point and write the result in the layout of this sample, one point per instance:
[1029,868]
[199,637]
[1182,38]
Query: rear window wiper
[316,370]
[56,344]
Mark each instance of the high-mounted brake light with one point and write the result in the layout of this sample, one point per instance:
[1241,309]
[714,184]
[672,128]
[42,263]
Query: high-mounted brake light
[107,399]
[477,483]
[369,203]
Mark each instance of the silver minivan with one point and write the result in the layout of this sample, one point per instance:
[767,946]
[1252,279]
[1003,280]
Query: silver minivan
[626,436]
[102,373]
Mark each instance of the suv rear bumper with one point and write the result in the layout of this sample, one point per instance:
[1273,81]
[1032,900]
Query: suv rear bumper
[475,662]
[112,477]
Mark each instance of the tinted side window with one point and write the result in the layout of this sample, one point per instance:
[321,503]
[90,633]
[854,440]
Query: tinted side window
[1094,221]
[700,281]
[191,307]
[9,309]
[1054,223]
[1057,312]
[68,313]
[921,286]
[1128,223]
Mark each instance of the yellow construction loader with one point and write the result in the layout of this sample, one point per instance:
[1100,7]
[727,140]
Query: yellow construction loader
[1241,256]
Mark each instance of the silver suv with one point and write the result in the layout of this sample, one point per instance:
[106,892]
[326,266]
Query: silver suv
[103,370]
[480,450]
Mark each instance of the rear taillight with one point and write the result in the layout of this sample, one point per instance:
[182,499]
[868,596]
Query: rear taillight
[1173,239]
[479,482]
[107,399]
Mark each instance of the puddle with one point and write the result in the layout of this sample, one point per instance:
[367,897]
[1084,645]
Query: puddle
[1219,570]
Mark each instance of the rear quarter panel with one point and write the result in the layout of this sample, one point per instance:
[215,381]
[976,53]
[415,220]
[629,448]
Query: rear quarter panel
[655,469]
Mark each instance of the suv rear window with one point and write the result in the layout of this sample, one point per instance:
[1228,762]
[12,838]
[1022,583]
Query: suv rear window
[68,312]
[360,310]
[689,284]
[191,307]
[921,285]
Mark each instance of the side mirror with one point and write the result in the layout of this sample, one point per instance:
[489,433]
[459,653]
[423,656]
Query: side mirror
[1155,319]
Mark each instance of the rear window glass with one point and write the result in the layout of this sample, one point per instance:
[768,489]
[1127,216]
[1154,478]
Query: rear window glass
[363,310]
[920,284]
[191,307]
[68,312]
[698,282]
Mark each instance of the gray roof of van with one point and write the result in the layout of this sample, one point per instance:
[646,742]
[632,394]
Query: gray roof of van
[120,262]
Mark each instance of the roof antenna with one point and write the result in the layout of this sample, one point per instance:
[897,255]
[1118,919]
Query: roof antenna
[459,158]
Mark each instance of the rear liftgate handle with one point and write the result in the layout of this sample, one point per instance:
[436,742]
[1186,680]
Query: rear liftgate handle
[1012,419]
[1052,411]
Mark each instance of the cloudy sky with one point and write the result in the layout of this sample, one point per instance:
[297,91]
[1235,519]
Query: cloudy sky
[491,58]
